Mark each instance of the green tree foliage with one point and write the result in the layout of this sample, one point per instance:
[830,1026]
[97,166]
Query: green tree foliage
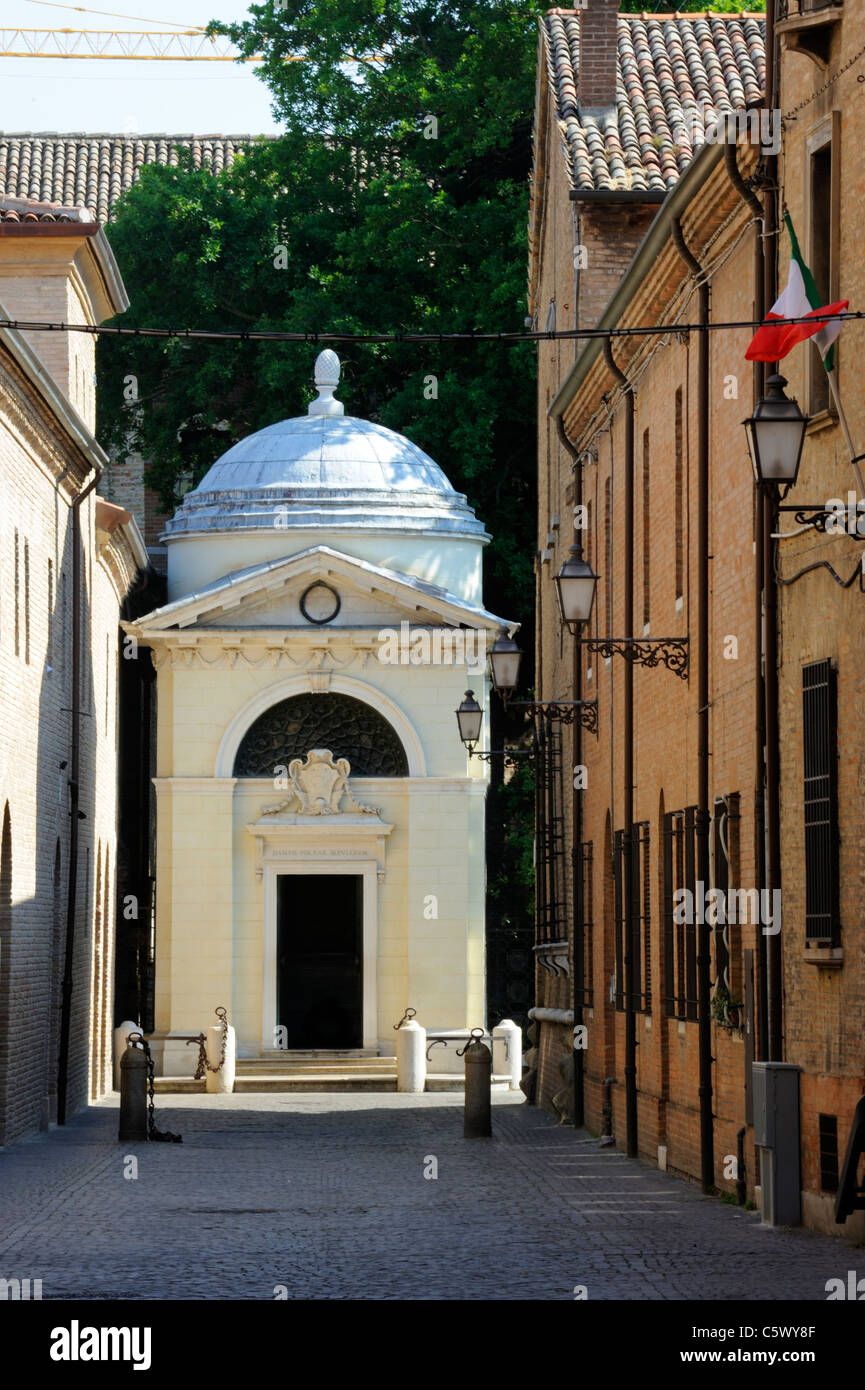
[395,200]
[399,192]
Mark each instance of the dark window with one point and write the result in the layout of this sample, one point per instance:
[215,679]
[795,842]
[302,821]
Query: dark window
[680,940]
[550,865]
[828,1152]
[585,991]
[348,727]
[821,251]
[820,797]
[618,914]
[725,875]
[640,953]
[690,923]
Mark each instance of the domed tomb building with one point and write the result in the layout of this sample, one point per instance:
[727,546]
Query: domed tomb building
[320,826]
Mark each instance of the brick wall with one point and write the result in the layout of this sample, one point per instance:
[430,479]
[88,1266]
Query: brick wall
[35,744]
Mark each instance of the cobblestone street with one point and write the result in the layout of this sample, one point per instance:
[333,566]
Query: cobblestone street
[326,1195]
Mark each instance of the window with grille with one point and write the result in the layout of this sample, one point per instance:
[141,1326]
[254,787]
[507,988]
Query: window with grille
[820,801]
[725,875]
[680,930]
[638,883]
[585,991]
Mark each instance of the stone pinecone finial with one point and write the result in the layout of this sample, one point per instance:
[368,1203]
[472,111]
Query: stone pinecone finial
[326,381]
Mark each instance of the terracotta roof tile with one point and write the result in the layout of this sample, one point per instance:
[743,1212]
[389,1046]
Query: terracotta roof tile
[25,210]
[93,170]
[674,72]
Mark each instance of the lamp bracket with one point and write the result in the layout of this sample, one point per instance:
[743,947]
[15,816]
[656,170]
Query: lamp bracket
[671,652]
[568,711]
[511,756]
[810,514]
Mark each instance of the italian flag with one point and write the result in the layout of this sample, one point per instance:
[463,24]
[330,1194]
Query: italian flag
[799,299]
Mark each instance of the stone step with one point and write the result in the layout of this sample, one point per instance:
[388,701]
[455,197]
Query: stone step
[267,1082]
[348,1054]
[270,1082]
[321,1064]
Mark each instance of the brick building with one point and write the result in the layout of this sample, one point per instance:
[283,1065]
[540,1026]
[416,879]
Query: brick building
[67,561]
[645,434]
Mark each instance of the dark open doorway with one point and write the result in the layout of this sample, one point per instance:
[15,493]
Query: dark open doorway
[319,952]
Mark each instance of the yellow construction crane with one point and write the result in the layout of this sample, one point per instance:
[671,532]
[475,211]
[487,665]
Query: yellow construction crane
[190,45]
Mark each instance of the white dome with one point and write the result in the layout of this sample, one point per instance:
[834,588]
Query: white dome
[325,469]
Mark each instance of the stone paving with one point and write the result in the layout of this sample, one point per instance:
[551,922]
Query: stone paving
[326,1196]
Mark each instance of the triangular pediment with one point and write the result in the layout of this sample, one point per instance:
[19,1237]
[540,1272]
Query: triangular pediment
[301,592]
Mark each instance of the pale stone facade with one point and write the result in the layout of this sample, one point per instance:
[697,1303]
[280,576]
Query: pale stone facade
[335,512]
[48,457]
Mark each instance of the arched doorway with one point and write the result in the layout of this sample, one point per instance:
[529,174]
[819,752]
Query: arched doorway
[320,915]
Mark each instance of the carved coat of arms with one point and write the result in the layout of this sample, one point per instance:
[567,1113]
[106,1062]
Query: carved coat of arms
[318,786]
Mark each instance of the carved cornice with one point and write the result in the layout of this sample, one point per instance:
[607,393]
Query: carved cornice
[271,650]
[117,560]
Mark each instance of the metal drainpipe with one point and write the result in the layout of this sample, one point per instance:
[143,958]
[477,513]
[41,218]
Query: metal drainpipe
[758,387]
[704,936]
[577,822]
[74,798]
[773,813]
[631,1136]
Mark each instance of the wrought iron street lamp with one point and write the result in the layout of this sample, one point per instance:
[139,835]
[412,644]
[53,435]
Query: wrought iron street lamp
[470,717]
[576,582]
[505,657]
[776,433]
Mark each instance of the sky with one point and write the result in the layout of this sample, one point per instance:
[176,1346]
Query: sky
[97,95]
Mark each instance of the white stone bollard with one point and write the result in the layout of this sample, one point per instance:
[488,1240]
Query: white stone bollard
[411,1057]
[221,1082]
[508,1052]
[120,1036]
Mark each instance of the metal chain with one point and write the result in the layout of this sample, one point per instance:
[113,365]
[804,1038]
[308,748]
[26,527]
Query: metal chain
[203,1065]
[153,1134]
[826,85]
